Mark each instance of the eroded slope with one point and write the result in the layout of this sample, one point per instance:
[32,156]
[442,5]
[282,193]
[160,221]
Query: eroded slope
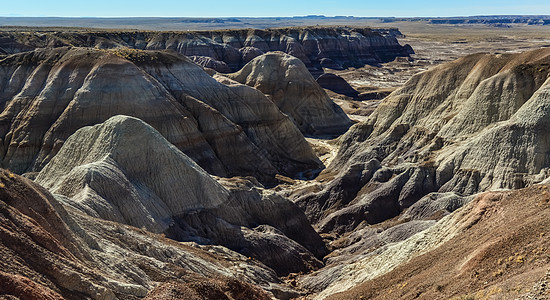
[50,251]
[286,80]
[496,246]
[229,130]
[158,188]
[475,124]
[229,50]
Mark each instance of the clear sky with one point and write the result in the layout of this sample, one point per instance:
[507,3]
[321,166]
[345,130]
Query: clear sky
[258,8]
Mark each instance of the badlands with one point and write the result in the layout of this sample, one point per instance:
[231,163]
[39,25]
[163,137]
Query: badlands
[311,162]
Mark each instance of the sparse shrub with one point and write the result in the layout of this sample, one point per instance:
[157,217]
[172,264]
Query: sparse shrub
[464,297]
[520,259]
[143,56]
[498,273]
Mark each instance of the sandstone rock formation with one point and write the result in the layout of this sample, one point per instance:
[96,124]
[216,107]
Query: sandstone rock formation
[229,130]
[160,189]
[471,125]
[290,86]
[315,46]
[52,251]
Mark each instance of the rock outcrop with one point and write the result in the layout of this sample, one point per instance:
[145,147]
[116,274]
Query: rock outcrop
[229,130]
[336,47]
[160,189]
[211,63]
[468,126]
[290,86]
[52,251]
[336,84]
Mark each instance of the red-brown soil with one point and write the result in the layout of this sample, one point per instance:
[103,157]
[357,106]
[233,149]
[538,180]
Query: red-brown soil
[501,255]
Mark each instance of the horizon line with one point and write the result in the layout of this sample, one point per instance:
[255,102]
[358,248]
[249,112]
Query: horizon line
[269,17]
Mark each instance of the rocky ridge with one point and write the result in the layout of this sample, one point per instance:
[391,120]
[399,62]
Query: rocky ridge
[493,247]
[317,47]
[471,125]
[286,80]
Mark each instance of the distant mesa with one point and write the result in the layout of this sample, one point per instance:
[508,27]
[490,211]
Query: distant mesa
[344,46]
[210,20]
[530,20]
[488,20]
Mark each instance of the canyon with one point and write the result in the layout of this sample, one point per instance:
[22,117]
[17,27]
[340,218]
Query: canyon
[218,165]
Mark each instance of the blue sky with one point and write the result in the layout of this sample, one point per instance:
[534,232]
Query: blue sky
[256,8]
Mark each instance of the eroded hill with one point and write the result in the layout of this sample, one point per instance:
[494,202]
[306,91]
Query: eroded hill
[229,129]
[475,124]
[472,125]
[52,251]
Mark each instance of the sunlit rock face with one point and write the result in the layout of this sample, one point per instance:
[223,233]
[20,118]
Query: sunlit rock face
[158,188]
[475,124]
[227,129]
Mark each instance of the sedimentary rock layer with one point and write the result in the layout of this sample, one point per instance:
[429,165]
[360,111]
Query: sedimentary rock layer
[47,95]
[288,83]
[337,84]
[494,246]
[333,47]
[157,187]
[52,251]
[476,124]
